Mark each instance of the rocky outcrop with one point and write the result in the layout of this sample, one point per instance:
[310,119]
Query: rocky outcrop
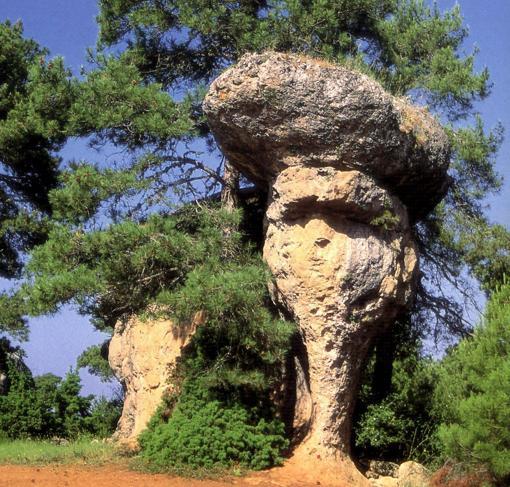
[348,169]
[343,279]
[142,355]
[409,474]
[413,474]
[272,111]
[381,468]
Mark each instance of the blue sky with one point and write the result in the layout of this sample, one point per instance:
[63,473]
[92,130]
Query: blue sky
[67,28]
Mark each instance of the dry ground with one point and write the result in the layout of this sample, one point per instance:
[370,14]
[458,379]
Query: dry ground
[115,475]
[78,476]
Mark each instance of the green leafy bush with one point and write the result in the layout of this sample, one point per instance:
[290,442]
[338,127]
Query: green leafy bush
[473,393]
[204,431]
[400,425]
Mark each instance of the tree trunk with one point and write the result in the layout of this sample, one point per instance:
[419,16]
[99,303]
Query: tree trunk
[230,190]
[229,202]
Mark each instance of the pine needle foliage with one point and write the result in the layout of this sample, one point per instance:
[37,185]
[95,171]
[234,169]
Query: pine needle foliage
[152,68]
[205,431]
[179,266]
[35,96]
[95,360]
[473,393]
[222,414]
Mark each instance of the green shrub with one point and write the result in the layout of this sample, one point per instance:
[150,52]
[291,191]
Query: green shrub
[103,417]
[473,393]
[222,417]
[241,342]
[206,432]
[233,361]
[22,412]
[400,425]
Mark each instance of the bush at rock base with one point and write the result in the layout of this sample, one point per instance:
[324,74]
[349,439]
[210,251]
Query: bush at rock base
[400,425]
[103,416]
[220,414]
[204,431]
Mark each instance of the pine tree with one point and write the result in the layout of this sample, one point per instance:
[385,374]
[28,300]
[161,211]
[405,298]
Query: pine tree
[35,95]
[411,47]
[472,396]
[146,100]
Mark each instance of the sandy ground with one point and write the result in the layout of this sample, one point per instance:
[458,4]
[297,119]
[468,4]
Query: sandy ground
[114,475]
[77,476]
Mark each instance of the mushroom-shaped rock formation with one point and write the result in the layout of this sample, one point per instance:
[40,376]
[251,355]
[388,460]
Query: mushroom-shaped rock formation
[272,111]
[348,168]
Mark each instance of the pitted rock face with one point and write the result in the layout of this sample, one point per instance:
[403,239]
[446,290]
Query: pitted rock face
[142,355]
[274,110]
[347,167]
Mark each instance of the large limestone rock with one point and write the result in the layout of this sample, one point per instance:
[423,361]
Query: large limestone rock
[142,355]
[348,168]
[272,111]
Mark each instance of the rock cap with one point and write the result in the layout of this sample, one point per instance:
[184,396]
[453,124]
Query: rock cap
[275,110]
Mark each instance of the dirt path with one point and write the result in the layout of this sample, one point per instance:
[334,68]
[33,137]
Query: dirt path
[115,475]
[78,476]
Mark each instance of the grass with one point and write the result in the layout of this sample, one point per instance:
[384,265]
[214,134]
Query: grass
[42,452]
[86,451]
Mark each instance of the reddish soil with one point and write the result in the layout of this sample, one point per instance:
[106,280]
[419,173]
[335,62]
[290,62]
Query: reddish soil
[292,475]
[78,476]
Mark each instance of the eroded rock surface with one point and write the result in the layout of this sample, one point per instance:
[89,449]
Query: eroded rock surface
[273,110]
[344,271]
[142,355]
[348,168]
[413,474]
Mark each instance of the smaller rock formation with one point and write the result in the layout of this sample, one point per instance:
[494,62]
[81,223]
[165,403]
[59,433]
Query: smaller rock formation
[413,474]
[142,355]
[381,468]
